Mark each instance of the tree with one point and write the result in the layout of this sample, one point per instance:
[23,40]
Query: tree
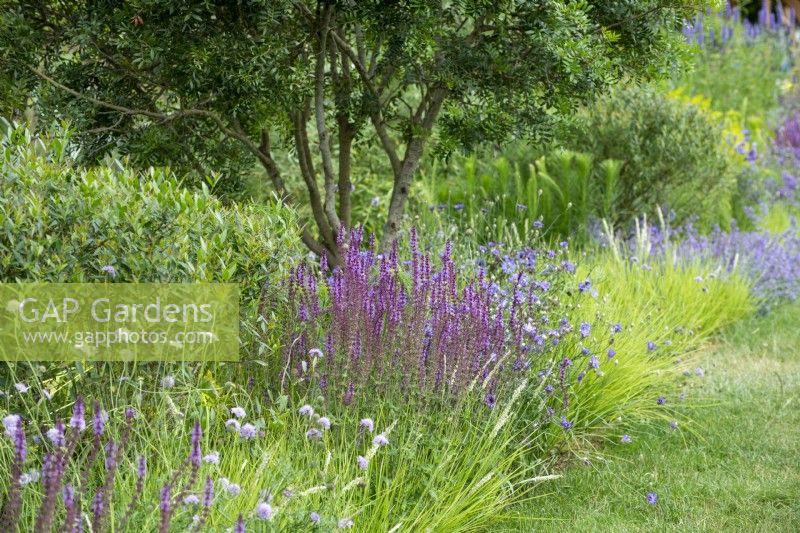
[263,75]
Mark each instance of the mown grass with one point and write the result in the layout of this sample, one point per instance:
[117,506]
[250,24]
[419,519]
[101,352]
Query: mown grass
[736,471]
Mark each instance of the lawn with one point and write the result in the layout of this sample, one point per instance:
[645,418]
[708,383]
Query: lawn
[736,471]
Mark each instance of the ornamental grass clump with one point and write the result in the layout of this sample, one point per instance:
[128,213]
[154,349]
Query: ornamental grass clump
[420,326]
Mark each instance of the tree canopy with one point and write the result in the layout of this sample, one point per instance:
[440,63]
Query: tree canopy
[201,84]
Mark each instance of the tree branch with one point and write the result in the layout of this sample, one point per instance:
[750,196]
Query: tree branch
[322,129]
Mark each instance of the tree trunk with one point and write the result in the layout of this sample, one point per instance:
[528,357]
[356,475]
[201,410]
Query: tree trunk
[413,155]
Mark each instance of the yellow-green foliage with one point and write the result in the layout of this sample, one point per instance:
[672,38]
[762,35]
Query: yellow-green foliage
[677,308]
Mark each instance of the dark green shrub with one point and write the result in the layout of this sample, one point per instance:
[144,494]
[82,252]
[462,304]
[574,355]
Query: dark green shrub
[60,222]
[673,155]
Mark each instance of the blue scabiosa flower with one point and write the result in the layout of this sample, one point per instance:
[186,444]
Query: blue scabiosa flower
[538,223]
[616,328]
[167,382]
[566,424]
[345,523]
[314,517]
[366,424]
[315,353]
[306,410]
[376,201]
[611,353]
[584,286]
[313,434]
[380,440]
[626,439]
[238,412]
[110,270]
[233,424]
[651,346]
[699,372]
[324,422]
[549,389]
[652,498]
[264,511]
[362,461]
[586,329]
[191,499]
[10,423]
[211,458]
[248,431]
[594,362]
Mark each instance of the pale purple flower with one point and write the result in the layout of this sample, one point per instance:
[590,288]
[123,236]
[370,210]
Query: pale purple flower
[651,346]
[167,382]
[233,424]
[626,439]
[566,424]
[238,412]
[313,434]
[211,458]
[239,525]
[191,499]
[652,498]
[56,436]
[367,423]
[673,425]
[314,517]
[233,489]
[264,511]
[110,270]
[10,423]
[661,400]
[611,353]
[594,362]
[315,353]
[248,431]
[362,461]
[345,523]
[699,372]
[21,387]
[306,410]
[380,440]
[324,422]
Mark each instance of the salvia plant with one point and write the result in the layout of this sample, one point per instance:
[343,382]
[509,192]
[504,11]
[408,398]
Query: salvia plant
[424,326]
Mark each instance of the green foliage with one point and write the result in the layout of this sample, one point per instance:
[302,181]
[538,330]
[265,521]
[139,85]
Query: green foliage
[672,154]
[198,85]
[63,223]
[746,75]
[754,369]
[506,199]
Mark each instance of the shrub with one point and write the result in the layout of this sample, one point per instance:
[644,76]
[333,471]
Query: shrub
[63,223]
[672,155]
